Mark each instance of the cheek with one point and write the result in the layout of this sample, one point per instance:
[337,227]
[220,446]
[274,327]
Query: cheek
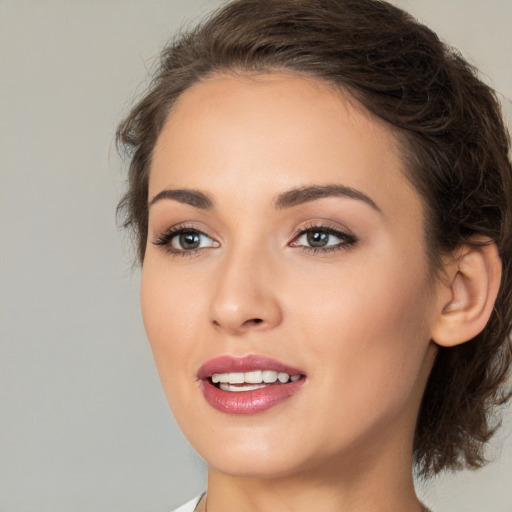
[366,294]
[170,311]
[372,324]
[170,302]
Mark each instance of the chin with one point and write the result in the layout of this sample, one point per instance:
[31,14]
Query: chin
[259,458]
[239,467]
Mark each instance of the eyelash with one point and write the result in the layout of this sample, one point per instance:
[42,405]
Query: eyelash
[166,239]
[346,239]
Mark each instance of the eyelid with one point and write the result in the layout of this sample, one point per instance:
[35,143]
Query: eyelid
[322,225]
[165,239]
[347,238]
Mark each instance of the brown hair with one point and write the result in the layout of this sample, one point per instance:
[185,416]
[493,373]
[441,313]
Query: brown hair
[455,145]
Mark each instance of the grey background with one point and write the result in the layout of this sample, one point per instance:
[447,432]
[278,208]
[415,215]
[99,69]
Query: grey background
[84,425]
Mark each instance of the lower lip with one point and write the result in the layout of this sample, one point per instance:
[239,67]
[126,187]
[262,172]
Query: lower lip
[248,402]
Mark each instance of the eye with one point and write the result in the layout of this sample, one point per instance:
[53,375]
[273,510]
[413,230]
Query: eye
[187,240]
[323,238]
[182,240]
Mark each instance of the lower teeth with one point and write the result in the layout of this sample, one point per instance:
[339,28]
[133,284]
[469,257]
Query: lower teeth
[247,387]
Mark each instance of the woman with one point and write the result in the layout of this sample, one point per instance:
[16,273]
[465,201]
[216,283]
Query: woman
[321,194]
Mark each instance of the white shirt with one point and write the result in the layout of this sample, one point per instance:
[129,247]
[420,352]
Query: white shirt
[189,506]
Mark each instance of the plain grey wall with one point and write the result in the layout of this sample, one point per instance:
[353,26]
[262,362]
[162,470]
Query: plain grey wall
[84,425]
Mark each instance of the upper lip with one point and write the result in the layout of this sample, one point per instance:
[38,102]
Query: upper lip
[231,364]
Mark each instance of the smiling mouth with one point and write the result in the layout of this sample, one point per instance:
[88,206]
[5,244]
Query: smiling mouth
[249,384]
[252,380]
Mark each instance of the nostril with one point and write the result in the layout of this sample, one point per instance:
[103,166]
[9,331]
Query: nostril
[253,321]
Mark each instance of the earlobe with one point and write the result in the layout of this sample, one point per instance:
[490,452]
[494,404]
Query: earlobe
[467,296]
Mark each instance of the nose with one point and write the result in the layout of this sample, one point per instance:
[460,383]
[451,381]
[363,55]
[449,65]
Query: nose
[246,295]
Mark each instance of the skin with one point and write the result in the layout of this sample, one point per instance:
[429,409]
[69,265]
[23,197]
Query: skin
[357,319]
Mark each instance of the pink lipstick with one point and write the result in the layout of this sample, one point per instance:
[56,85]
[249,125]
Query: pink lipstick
[248,385]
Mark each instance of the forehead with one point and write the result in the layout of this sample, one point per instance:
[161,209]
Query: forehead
[246,133]
[284,104]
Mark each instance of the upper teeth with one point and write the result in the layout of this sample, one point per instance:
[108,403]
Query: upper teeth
[254,377]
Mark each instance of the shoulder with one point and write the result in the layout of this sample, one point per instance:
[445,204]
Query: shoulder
[189,506]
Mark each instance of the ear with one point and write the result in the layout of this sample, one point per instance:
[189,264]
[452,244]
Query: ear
[467,296]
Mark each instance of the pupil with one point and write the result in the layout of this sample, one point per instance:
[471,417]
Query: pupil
[318,238]
[189,240]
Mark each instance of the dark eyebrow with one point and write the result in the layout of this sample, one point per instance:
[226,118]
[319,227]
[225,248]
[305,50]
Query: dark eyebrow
[185,196]
[301,195]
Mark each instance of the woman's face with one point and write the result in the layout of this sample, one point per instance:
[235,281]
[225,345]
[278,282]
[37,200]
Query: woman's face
[285,242]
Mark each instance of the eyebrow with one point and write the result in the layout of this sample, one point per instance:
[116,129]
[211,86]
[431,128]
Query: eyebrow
[288,199]
[185,196]
[302,195]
